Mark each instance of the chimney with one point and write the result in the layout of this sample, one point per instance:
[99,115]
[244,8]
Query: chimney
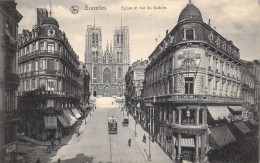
[209,23]
[166,32]
[42,13]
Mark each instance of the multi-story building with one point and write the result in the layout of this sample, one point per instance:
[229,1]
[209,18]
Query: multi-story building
[193,75]
[49,78]
[85,83]
[134,86]
[107,69]
[9,80]
[251,87]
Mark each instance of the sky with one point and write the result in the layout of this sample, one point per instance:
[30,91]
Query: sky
[236,20]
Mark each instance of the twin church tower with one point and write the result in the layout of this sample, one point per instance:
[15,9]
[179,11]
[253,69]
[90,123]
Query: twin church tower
[107,68]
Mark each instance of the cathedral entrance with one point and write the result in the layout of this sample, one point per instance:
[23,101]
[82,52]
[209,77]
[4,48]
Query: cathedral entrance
[107,92]
[107,76]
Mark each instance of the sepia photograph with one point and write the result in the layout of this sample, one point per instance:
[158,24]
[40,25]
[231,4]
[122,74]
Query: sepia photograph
[129,81]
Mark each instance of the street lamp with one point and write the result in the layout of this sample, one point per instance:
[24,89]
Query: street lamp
[149,155]
[135,128]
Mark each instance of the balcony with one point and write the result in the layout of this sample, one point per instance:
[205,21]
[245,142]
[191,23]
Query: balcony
[39,53]
[195,99]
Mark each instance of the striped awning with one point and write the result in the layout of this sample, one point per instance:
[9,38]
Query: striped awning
[189,142]
[69,116]
[63,121]
[242,127]
[76,113]
[237,108]
[219,112]
[254,122]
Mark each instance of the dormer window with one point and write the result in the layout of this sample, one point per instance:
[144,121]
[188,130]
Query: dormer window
[189,33]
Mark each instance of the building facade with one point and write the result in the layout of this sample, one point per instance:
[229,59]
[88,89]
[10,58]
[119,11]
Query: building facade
[49,78]
[9,80]
[251,88]
[134,88]
[107,69]
[193,75]
[85,79]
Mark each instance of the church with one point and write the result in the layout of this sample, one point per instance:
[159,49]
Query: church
[107,68]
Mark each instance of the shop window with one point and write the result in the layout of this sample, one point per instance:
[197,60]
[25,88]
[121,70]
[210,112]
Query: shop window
[188,116]
[189,85]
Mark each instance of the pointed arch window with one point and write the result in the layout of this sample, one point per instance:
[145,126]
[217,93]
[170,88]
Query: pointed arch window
[117,39]
[93,38]
[119,72]
[94,57]
[96,39]
[122,38]
[121,57]
[118,57]
[94,72]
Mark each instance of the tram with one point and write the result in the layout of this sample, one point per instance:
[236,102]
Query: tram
[112,125]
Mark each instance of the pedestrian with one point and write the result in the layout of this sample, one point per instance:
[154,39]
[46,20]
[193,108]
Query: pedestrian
[38,160]
[58,160]
[112,103]
[144,138]
[52,143]
[129,142]
[59,138]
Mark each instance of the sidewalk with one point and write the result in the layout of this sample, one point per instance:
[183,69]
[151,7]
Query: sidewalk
[66,140]
[157,154]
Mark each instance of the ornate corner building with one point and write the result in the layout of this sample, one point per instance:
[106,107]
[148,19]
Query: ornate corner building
[107,69]
[192,89]
[51,81]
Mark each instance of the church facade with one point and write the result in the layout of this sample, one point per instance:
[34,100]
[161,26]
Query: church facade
[107,68]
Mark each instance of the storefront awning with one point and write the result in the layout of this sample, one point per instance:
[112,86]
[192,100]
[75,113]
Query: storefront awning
[64,122]
[237,108]
[189,142]
[50,122]
[222,135]
[83,107]
[148,104]
[70,117]
[242,127]
[254,122]
[219,112]
[76,113]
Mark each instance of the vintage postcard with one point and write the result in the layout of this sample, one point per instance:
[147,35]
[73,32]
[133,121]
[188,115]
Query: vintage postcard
[129,81]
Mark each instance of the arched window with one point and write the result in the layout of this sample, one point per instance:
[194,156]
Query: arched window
[121,57]
[93,56]
[96,39]
[96,57]
[119,72]
[107,76]
[122,38]
[93,38]
[118,57]
[94,72]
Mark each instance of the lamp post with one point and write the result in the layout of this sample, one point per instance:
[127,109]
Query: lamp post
[135,128]
[149,155]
